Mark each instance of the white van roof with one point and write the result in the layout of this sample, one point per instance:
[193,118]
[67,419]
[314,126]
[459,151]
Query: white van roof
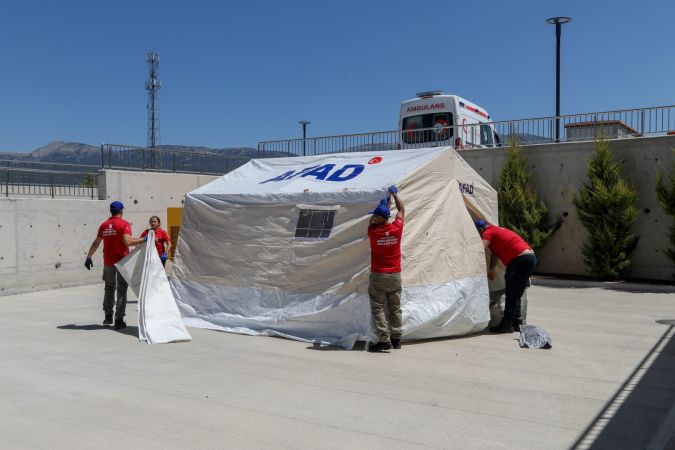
[462,102]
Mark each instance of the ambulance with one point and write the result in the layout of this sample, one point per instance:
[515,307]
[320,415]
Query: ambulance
[435,119]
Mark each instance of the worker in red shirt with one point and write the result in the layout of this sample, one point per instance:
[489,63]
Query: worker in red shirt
[519,260]
[385,273]
[116,236]
[162,239]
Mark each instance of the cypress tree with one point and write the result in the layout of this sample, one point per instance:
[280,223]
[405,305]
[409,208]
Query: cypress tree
[665,192]
[520,209]
[606,208]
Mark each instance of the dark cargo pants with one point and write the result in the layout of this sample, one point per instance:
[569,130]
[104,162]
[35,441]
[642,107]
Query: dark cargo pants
[114,281]
[385,289]
[517,278]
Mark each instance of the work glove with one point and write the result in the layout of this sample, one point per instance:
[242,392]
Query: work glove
[164,256]
[88,263]
[393,189]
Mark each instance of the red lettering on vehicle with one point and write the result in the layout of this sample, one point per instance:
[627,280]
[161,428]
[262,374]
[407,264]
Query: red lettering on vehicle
[425,107]
[375,160]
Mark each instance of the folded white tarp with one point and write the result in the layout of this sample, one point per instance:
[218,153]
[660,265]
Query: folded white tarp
[280,246]
[159,321]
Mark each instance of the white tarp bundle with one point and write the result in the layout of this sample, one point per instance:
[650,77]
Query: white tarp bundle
[280,247]
[159,321]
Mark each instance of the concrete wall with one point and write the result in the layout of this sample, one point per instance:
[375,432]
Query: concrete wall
[44,241]
[560,170]
[146,194]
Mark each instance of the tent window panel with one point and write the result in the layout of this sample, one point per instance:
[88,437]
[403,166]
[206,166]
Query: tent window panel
[314,224]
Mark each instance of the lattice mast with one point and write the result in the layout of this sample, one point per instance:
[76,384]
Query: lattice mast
[152,86]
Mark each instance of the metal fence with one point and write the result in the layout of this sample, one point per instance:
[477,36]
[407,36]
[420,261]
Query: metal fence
[45,183]
[165,160]
[53,166]
[619,124]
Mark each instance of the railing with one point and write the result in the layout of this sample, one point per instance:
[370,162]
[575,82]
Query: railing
[164,160]
[47,183]
[42,166]
[619,124]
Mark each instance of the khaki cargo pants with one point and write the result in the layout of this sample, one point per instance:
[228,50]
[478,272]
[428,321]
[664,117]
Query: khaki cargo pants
[385,289]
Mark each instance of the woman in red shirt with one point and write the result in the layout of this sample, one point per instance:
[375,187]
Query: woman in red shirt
[162,240]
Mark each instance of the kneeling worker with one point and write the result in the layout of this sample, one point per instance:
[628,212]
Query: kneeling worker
[520,261]
[116,236]
[385,273]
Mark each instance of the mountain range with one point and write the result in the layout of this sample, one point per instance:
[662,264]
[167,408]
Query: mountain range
[88,157]
[81,154]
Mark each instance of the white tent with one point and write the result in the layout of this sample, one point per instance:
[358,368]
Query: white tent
[280,247]
[159,321]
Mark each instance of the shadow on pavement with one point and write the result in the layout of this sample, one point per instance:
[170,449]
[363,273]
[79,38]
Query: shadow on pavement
[359,346]
[128,330]
[326,348]
[641,412]
[485,332]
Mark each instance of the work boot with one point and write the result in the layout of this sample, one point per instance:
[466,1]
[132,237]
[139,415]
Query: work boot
[108,319]
[380,346]
[503,327]
[396,343]
[119,324]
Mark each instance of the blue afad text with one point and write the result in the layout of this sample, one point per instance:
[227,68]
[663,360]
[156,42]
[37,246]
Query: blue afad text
[326,172]
[465,188]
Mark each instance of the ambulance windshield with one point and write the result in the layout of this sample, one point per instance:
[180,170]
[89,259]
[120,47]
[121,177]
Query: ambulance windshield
[438,128]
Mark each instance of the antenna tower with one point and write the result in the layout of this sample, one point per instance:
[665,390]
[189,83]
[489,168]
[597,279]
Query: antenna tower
[152,86]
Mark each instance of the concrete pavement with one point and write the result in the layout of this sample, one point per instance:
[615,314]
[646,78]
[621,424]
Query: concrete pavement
[66,382]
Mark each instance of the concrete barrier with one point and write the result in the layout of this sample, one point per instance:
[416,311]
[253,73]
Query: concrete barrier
[558,171]
[44,240]
[146,194]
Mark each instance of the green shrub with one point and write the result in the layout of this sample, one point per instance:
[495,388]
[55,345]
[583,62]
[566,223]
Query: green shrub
[88,182]
[665,192]
[606,208]
[519,208]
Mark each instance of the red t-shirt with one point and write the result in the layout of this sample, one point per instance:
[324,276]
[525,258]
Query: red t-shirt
[504,244]
[161,238]
[111,232]
[385,246]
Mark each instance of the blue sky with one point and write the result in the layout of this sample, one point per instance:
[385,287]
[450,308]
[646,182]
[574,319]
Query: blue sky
[235,73]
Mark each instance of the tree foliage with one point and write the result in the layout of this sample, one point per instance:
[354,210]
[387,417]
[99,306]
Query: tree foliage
[665,192]
[520,209]
[88,182]
[606,207]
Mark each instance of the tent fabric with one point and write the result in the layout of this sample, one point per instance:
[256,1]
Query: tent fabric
[241,267]
[159,321]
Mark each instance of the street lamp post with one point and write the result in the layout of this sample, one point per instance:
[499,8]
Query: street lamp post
[557,21]
[304,124]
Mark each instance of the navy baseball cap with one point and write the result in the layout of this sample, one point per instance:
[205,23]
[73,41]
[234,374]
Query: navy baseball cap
[116,207]
[382,210]
[480,223]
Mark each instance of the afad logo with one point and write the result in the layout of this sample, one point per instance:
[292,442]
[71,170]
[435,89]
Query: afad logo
[326,172]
